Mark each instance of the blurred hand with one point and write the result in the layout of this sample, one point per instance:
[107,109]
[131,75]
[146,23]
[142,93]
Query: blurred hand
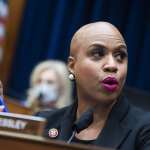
[2,108]
[1,93]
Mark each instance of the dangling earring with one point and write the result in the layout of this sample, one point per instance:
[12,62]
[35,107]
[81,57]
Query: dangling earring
[71,76]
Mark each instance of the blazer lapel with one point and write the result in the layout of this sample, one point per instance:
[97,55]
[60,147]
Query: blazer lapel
[114,132]
[67,121]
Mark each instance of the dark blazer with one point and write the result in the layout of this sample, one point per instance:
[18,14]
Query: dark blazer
[127,127]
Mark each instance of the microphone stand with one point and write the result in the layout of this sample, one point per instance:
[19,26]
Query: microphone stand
[72,136]
[85,120]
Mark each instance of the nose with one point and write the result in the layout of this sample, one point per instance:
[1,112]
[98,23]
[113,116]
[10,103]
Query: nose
[110,65]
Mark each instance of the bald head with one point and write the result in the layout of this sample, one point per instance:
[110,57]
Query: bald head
[102,29]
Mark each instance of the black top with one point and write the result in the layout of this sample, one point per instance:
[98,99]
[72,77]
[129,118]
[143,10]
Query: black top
[76,140]
[127,127]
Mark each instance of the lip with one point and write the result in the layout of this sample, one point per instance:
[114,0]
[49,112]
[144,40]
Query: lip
[110,84]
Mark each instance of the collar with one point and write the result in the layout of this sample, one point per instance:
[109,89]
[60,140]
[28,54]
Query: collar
[114,131]
[67,122]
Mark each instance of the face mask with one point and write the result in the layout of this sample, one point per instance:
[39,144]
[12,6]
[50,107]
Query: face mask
[46,93]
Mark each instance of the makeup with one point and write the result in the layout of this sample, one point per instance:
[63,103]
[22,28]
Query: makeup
[110,84]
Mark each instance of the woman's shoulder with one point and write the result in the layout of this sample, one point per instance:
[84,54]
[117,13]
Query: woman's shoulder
[54,117]
[141,127]
[139,116]
[55,112]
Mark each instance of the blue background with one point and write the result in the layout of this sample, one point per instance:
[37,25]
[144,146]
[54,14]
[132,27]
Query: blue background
[48,25]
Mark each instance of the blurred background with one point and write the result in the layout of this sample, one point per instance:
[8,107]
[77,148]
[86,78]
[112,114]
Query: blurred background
[35,30]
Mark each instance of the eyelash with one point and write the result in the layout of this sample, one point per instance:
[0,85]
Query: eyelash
[97,53]
[122,55]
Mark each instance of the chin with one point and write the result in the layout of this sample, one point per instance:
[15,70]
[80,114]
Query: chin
[108,98]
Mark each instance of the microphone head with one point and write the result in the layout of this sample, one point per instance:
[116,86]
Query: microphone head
[84,121]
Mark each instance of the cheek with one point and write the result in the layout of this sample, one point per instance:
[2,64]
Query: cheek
[86,70]
[123,74]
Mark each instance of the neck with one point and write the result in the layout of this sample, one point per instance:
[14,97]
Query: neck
[101,110]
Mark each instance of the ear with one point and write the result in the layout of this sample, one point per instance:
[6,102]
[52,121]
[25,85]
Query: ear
[71,64]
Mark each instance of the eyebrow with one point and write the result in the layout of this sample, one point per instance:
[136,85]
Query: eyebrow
[97,45]
[103,46]
[122,48]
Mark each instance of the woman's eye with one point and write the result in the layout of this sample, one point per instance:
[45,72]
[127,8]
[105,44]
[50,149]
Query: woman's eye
[120,56]
[97,53]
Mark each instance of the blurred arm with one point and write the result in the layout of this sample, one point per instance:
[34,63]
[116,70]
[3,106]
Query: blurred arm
[3,107]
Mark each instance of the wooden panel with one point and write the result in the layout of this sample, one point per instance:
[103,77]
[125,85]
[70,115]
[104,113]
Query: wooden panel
[15,107]
[20,123]
[24,142]
[16,8]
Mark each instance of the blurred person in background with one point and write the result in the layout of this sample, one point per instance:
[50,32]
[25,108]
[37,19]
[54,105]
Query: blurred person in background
[3,107]
[1,94]
[49,86]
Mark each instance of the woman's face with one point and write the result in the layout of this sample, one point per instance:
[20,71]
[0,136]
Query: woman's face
[48,76]
[100,66]
[47,88]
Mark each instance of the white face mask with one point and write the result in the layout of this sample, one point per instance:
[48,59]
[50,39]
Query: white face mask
[46,93]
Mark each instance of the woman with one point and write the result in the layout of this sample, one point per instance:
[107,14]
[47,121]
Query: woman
[49,86]
[98,65]
[3,107]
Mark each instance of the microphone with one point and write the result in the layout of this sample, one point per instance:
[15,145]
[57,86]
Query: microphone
[82,123]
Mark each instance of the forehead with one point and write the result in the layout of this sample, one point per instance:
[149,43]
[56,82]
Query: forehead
[108,41]
[99,33]
[48,74]
[99,28]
